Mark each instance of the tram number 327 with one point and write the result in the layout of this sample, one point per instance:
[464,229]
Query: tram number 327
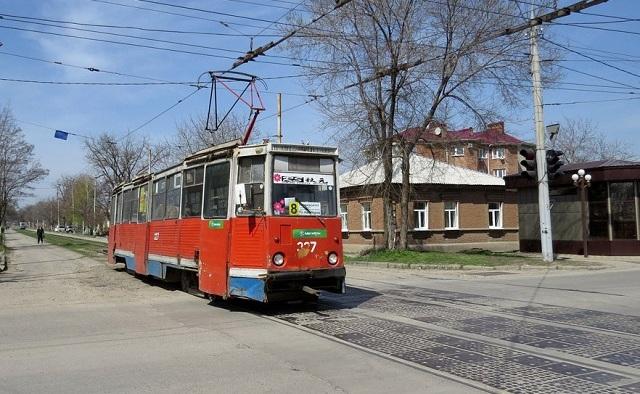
[306,245]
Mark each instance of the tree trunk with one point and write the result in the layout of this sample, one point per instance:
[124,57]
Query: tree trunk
[404,198]
[387,199]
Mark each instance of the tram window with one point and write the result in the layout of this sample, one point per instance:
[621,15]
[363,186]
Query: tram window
[119,210]
[173,196]
[251,175]
[192,192]
[113,209]
[158,199]
[129,211]
[306,181]
[216,193]
[143,203]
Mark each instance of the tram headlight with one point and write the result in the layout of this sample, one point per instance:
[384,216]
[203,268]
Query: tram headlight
[278,259]
[332,258]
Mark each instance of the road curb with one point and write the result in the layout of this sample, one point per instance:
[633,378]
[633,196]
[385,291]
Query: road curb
[461,267]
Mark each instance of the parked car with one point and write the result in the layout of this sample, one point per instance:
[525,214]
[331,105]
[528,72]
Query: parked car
[59,229]
[69,229]
[22,226]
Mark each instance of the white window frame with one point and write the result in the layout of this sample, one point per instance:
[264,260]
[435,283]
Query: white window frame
[492,215]
[483,153]
[498,153]
[344,217]
[421,224]
[457,151]
[456,216]
[498,171]
[366,216]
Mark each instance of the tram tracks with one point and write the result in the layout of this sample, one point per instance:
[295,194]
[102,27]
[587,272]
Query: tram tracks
[466,342]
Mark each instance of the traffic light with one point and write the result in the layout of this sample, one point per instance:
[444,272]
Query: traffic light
[554,163]
[529,163]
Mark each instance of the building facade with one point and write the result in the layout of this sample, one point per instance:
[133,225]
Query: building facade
[612,217]
[491,151]
[451,208]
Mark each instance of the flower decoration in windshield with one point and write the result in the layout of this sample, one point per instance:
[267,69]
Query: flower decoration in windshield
[279,206]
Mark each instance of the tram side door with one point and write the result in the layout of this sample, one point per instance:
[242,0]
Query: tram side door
[216,229]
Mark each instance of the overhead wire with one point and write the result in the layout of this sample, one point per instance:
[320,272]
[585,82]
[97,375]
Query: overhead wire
[590,57]
[597,28]
[177,14]
[138,28]
[226,50]
[162,113]
[88,68]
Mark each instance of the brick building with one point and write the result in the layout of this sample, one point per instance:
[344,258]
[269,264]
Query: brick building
[491,151]
[451,208]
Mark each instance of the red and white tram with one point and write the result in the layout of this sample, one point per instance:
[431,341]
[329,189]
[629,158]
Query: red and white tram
[236,221]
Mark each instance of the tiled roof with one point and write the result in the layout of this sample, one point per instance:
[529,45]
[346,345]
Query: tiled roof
[423,171]
[489,136]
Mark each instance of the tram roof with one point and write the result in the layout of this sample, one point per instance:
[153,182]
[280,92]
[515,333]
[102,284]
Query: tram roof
[227,149]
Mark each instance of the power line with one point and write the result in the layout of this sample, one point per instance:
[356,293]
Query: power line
[596,76]
[162,113]
[177,14]
[174,50]
[251,55]
[91,69]
[599,28]
[227,14]
[593,101]
[592,58]
[147,29]
[50,128]
[96,83]
[165,42]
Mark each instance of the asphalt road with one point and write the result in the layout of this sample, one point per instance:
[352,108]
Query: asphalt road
[72,325]
[69,324]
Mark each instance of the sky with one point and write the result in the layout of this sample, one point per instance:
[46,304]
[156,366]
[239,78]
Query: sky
[90,110]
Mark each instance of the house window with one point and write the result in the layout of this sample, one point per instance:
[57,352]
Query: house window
[420,215]
[458,151]
[343,217]
[366,216]
[500,172]
[483,153]
[497,153]
[450,215]
[495,215]
[623,210]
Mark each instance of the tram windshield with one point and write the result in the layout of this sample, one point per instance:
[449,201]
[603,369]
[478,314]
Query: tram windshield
[303,186]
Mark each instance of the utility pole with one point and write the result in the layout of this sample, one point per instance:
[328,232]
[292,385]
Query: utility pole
[95,185]
[544,207]
[58,198]
[149,160]
[279,118]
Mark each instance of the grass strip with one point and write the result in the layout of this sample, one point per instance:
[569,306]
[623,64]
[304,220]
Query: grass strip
[84,247]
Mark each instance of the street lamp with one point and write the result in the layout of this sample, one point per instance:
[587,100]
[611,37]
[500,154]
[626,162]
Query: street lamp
[582,181]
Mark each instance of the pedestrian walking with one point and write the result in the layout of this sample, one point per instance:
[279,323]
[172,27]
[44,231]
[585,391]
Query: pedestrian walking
[40,234]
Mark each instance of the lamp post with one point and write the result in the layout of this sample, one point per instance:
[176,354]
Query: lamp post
[582,180]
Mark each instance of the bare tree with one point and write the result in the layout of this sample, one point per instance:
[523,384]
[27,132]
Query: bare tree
[120,160]
[582,140]
[115,160]
[411,63]
[192,136]
[18,167]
